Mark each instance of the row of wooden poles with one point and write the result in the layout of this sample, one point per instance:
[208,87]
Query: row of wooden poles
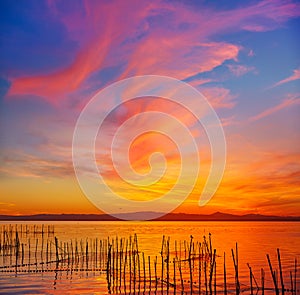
[8,232]
[190,267]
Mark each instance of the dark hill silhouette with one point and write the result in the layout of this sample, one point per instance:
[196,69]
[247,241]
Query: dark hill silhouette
[218,216]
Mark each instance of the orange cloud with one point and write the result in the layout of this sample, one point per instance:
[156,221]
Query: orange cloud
[267,184]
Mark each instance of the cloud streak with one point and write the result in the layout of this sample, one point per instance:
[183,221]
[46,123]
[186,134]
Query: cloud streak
[26,165]
[294,77]
[288,102]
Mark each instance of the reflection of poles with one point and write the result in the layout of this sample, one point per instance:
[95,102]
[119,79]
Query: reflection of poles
[295,287]
[293,281]
[292,284]
[262,281]
[55,277]
[200,262]
[215,288]
[174,273]
[162,273]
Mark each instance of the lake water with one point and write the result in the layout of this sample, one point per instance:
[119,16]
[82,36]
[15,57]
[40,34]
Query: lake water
[255,240]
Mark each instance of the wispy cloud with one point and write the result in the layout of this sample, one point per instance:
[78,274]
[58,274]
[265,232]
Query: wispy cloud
[26,165]
[7,204]
[290,101]
[293,77]
[240,70]
[219,97]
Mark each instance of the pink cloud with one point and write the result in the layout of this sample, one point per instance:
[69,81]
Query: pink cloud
[95,45]
[295,76]
[268,15]
[240,70]
[199,82]
[147,40]
[219,97]
[230,121]
[202,58]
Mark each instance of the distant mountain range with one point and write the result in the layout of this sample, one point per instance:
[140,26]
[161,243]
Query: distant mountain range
[218,216]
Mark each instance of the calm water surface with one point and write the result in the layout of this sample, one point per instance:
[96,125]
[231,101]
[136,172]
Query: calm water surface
[255,240]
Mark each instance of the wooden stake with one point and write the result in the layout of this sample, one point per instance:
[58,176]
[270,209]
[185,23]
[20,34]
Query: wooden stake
[280,270]
[225,283]
[273,275]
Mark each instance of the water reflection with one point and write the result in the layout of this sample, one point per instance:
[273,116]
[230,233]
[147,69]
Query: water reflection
[90,257]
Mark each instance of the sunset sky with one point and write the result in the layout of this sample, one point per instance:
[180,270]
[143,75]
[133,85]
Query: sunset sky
[243,56]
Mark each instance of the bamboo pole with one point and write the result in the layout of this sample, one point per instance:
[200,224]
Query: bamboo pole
[155,272]
[215,281]
[225,283]
[273,275]
[56,249]
[149,271]
[280,270]
[235,262]
[211,271]
[190,265]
